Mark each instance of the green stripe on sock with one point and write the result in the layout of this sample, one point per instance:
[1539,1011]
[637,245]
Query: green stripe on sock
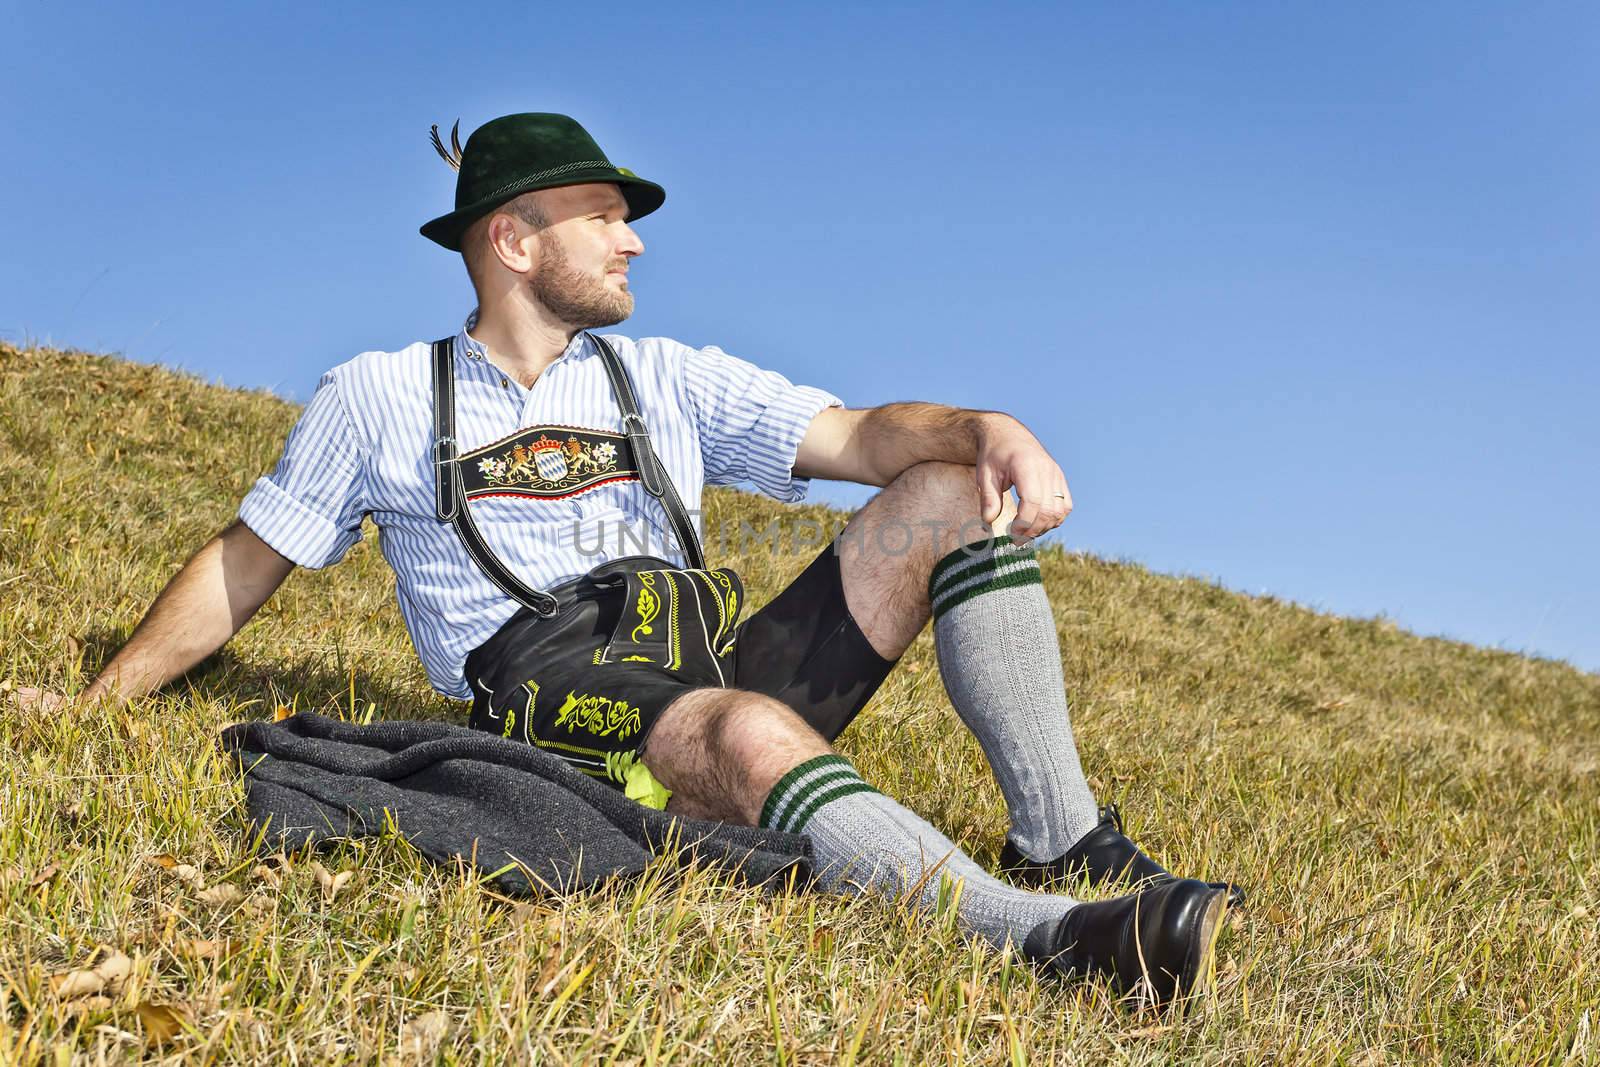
[996,567]
[1018,578]
[797,825]
[977,550]
[787,782]
[784,813]
[1004,556]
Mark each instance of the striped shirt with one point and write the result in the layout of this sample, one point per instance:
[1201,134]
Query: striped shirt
[363,447]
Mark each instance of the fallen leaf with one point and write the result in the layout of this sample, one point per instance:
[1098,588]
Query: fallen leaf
[162,1022]
[1276,915]
[106,976]
[330,883]
[548,974]
[281,712]
[419,1038]
[261,872]
[74,647]
[114,968]
[220,896]
[187,873]
[45,875]
[207,948]
[84,1005]
[76,984]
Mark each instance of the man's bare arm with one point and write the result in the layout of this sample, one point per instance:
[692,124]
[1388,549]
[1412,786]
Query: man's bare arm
[205,604]
[872,446]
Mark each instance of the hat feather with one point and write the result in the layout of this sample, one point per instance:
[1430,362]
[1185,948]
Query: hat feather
[454,160]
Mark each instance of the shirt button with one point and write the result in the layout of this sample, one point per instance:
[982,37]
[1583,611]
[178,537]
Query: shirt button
[505,383]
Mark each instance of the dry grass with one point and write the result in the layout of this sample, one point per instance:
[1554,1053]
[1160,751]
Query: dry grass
[1417,820]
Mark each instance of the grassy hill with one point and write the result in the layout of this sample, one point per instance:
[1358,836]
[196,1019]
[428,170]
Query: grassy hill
[1418,820]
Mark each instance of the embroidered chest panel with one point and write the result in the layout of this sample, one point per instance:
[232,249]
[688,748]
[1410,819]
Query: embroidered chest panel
[549,462]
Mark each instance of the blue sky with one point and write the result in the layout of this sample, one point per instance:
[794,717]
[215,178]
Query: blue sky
[1302,297]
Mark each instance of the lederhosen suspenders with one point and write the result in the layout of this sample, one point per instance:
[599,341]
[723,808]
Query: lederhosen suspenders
[450,502]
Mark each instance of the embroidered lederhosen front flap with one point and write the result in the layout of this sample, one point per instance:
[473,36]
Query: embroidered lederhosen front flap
[549,462]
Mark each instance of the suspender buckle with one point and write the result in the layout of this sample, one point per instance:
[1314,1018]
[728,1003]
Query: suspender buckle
[638,434]
[447,480]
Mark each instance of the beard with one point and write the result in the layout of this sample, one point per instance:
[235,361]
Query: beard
[578,299]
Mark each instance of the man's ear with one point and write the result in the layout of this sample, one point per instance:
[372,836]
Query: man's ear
[516,254]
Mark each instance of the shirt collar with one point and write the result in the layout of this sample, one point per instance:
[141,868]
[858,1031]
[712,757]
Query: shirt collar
[474,349]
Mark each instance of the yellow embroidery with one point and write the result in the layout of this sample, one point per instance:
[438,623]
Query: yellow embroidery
[649,605]
[674,625]
[601,716]
[531,688]
[639,785]
[637,659]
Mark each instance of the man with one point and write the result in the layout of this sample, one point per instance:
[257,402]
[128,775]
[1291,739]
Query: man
[637,671]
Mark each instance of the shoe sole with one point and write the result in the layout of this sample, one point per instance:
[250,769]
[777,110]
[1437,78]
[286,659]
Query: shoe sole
[1195,975]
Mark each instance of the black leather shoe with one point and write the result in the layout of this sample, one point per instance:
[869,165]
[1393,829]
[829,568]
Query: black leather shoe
[1156,942]
[1104,855]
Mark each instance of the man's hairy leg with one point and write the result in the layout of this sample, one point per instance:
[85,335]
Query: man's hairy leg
[744,757]
[994,631]
[721,751]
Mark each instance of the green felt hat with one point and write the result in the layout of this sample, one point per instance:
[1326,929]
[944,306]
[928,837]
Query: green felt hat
[515,154]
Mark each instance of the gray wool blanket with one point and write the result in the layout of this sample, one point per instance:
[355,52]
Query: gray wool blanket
[502,807]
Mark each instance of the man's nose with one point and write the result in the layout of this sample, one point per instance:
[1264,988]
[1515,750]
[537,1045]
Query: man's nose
[630,245]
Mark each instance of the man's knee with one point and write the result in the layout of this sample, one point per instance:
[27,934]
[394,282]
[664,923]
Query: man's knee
[731,720]
[949,491]
[936,479]
[721,750]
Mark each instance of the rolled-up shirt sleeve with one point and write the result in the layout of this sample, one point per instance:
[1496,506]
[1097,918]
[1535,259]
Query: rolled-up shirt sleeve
[751,421]
[309,509]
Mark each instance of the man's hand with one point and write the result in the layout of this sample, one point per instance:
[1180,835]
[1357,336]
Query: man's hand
[1010,456]
[29,698]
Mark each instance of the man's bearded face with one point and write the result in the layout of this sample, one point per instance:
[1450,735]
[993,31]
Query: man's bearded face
[582,299]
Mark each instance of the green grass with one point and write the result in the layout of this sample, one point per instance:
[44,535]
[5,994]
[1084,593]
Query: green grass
[1416,819]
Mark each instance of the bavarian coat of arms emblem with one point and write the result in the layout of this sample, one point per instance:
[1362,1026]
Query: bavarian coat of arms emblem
[549,462]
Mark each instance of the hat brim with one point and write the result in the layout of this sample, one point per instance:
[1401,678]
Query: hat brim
[642,196]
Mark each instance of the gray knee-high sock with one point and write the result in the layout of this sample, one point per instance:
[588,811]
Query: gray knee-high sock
[865,842]
[1001,664]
